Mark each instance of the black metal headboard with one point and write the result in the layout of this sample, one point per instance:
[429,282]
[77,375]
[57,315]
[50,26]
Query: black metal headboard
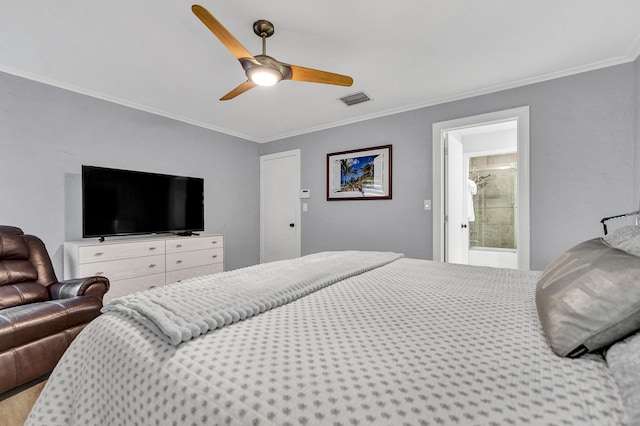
[604,219]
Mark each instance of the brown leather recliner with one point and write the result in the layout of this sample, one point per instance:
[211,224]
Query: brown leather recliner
[39,316]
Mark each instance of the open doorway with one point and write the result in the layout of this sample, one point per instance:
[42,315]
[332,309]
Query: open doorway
[481,190]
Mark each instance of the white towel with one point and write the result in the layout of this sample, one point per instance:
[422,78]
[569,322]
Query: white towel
[473,190]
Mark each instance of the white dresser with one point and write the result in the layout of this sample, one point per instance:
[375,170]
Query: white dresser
[138,264]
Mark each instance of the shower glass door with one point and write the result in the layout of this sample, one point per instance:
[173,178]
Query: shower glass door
[495,201]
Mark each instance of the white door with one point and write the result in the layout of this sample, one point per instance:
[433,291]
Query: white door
[280,206]
[455,217]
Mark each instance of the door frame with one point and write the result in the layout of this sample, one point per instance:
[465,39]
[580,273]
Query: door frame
[439,129]
[298,225]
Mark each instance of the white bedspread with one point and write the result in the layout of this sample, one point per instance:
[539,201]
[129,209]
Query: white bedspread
[188,309]
[411,342]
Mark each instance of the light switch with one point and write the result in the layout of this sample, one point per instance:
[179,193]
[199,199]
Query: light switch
[305,207]
[427,204]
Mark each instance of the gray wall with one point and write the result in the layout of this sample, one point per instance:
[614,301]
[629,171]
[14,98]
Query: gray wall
[585,139]
[47,133]
[636,191]
[582,166]
[400,224]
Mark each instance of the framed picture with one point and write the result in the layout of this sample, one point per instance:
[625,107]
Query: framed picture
[362,174]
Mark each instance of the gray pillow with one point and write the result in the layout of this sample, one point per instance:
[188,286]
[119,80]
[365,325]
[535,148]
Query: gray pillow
[588,298]
[626,239]
[623,359]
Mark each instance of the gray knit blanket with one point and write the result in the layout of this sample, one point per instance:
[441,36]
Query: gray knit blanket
[181,311]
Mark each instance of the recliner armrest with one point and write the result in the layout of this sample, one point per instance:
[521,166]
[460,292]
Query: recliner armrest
[89,286]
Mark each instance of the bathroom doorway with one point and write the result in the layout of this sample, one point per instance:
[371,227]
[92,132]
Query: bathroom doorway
[481,190]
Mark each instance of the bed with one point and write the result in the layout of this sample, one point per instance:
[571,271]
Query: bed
[341,338]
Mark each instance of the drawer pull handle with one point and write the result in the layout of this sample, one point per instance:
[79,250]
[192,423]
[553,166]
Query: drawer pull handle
[178,261]
[178,245]
[152,248]
[153,265]
[214,242]
[99,253]
[214,256]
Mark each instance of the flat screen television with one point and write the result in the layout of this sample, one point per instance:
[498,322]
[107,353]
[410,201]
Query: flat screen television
[126,202]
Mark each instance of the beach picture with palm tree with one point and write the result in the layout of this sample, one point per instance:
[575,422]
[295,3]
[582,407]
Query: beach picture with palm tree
[360,174]
[356,173]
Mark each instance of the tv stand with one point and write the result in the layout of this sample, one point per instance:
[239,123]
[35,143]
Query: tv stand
[101,239]
[186,234]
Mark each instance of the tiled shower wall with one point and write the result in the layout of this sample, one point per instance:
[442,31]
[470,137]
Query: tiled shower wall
[494,204]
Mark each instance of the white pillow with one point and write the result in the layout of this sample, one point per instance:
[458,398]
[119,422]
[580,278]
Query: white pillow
[623,359]
[626,239]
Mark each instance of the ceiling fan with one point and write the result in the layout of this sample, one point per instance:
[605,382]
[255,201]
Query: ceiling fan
[263,70]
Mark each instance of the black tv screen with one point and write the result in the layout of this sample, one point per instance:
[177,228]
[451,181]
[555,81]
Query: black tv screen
[125,202]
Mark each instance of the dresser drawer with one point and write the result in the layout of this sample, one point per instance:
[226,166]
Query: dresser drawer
[183,274]
[132,285]
[125,268]
[114,251]
[194,243]
[176,261]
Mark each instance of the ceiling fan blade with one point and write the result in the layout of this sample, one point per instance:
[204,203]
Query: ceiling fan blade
[229,41]
[317,76]
[247,85]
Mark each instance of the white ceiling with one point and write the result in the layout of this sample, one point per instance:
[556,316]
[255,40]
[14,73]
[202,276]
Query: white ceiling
[155,55]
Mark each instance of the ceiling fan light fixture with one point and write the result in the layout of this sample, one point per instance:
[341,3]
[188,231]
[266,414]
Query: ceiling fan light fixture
[264,76]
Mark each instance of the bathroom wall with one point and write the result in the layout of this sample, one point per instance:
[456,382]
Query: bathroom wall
[496,180]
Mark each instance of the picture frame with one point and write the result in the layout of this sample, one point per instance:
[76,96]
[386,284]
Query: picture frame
[359,174]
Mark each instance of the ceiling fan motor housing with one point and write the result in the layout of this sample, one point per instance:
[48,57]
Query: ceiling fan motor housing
[267,62]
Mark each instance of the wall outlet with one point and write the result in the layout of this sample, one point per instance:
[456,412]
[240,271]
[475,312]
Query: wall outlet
[427,204]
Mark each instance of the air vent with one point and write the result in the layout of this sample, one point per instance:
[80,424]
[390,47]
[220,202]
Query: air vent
[356,98]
